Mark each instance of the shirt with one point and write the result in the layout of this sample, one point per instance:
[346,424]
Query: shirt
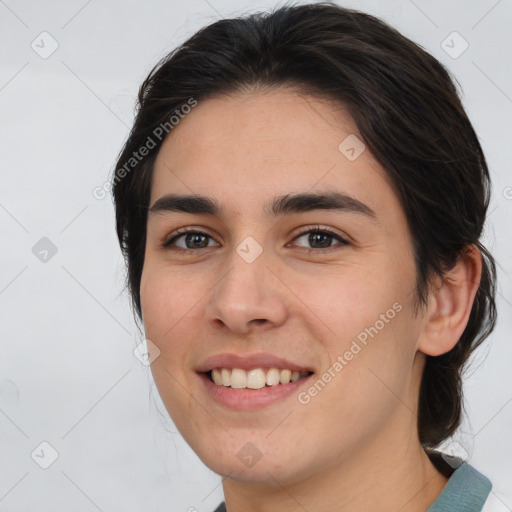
[467,490]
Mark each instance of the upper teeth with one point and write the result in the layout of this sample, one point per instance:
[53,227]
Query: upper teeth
[254,379]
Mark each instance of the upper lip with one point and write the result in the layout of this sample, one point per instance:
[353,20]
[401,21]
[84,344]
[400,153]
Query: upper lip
[248,362]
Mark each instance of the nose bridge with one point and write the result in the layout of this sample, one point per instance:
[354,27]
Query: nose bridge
[247,291]
[244,278]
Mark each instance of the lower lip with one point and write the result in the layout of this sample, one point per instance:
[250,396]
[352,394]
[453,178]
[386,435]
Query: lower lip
[248,399]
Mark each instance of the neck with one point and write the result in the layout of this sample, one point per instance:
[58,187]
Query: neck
[383,476]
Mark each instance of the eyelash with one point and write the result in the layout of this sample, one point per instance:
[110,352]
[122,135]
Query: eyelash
[310,229]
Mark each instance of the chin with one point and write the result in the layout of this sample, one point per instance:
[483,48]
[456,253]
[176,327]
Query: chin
[242,461]
[262,472]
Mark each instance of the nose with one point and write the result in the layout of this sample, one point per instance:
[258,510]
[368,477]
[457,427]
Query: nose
[247,295]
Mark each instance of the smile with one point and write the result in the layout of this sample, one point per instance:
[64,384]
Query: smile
[256,378]
[262,394]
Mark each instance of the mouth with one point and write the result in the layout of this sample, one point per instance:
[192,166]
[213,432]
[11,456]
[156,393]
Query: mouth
[251,390]
[256,378]
[252,381]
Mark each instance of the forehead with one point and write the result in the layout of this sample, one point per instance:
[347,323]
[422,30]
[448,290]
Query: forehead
[243,149]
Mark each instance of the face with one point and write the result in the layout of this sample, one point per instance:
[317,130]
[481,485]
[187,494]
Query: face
[322,287]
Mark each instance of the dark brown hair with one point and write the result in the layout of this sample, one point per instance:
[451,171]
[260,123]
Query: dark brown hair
[408,112]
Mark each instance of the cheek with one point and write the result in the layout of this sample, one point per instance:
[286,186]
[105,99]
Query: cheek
[168,303]
[371,335]
[349,298]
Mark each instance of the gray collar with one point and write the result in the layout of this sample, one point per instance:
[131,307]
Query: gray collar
[466,491]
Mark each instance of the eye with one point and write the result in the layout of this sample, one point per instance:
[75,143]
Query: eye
[193,237]
[320,238]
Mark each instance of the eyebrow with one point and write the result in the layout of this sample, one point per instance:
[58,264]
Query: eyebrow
[280,205]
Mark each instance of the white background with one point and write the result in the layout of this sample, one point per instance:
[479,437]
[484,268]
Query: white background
[68,375]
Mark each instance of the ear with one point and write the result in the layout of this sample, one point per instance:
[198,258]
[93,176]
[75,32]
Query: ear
[449,304]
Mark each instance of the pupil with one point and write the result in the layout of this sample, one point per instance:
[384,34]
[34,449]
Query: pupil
[194,237]
[325,237]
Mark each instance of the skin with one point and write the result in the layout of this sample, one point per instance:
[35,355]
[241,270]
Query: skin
[355,445]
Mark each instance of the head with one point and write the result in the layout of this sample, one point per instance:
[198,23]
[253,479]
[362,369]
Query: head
[309,99]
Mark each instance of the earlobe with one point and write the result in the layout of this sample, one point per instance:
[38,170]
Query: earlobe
[450,303]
